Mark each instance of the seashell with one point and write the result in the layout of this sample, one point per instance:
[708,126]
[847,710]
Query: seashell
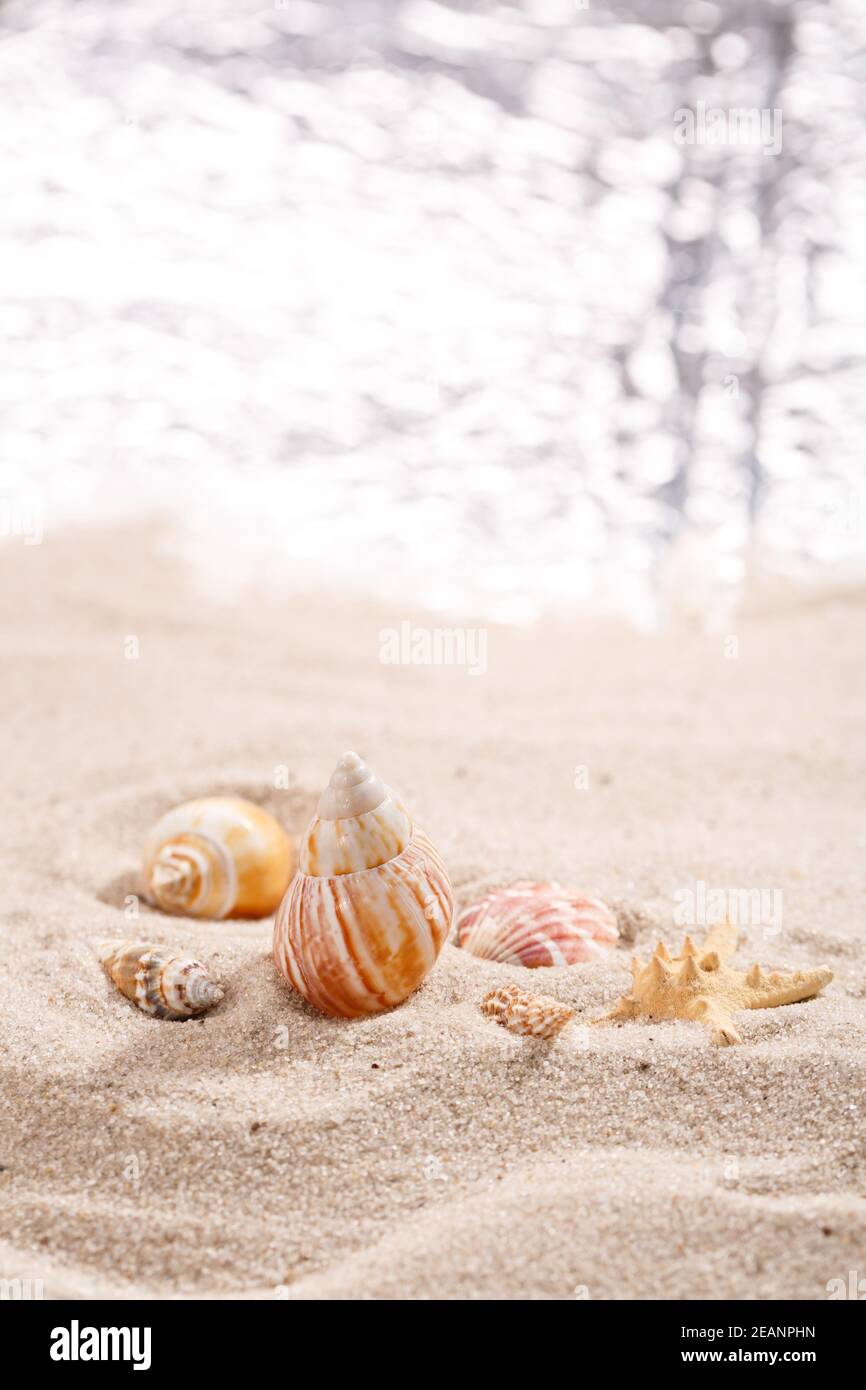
[535,924]
[217,857]
[531,1015]
[159,982]
[370,907]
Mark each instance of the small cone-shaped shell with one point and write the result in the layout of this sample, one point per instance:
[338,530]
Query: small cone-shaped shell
[217,857]
[536,924]
[159,982]
[369,909]
[531,1015]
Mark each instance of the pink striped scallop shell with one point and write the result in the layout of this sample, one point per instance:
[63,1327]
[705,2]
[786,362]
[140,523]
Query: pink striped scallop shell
[535,924]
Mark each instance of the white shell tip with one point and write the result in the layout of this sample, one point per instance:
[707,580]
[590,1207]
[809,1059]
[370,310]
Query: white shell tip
[352,791]
[207,994]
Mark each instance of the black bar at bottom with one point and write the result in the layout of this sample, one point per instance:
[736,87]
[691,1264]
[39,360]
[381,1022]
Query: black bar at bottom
[194,1339]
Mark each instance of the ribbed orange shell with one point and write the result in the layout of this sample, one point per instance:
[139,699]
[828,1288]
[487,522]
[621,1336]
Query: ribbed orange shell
[219,856]
[359,943]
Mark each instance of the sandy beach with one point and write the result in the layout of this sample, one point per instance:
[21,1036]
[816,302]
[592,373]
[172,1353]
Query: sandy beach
[267,1151]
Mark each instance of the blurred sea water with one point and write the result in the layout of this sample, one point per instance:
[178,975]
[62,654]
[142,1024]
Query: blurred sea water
[428,298]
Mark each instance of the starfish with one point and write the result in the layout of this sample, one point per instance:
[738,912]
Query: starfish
[705,988]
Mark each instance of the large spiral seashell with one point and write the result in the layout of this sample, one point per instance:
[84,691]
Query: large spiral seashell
[370,907]
[535,924]
[159,982]
[217,857]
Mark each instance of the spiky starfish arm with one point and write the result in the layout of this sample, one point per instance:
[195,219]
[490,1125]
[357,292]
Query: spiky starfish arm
[703,987]
[768,991]
[722,939]
[626,1008]
[715,1017]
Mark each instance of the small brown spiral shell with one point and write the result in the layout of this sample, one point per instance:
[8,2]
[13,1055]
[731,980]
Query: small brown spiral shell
[158,981]
[531,1015]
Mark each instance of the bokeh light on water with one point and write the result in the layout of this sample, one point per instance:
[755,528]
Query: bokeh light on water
[428,298]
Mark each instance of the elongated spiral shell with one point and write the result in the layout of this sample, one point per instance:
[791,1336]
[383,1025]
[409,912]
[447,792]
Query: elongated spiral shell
[370,907]
[535,924]
[159,982]
[530,1015]
[217,857]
